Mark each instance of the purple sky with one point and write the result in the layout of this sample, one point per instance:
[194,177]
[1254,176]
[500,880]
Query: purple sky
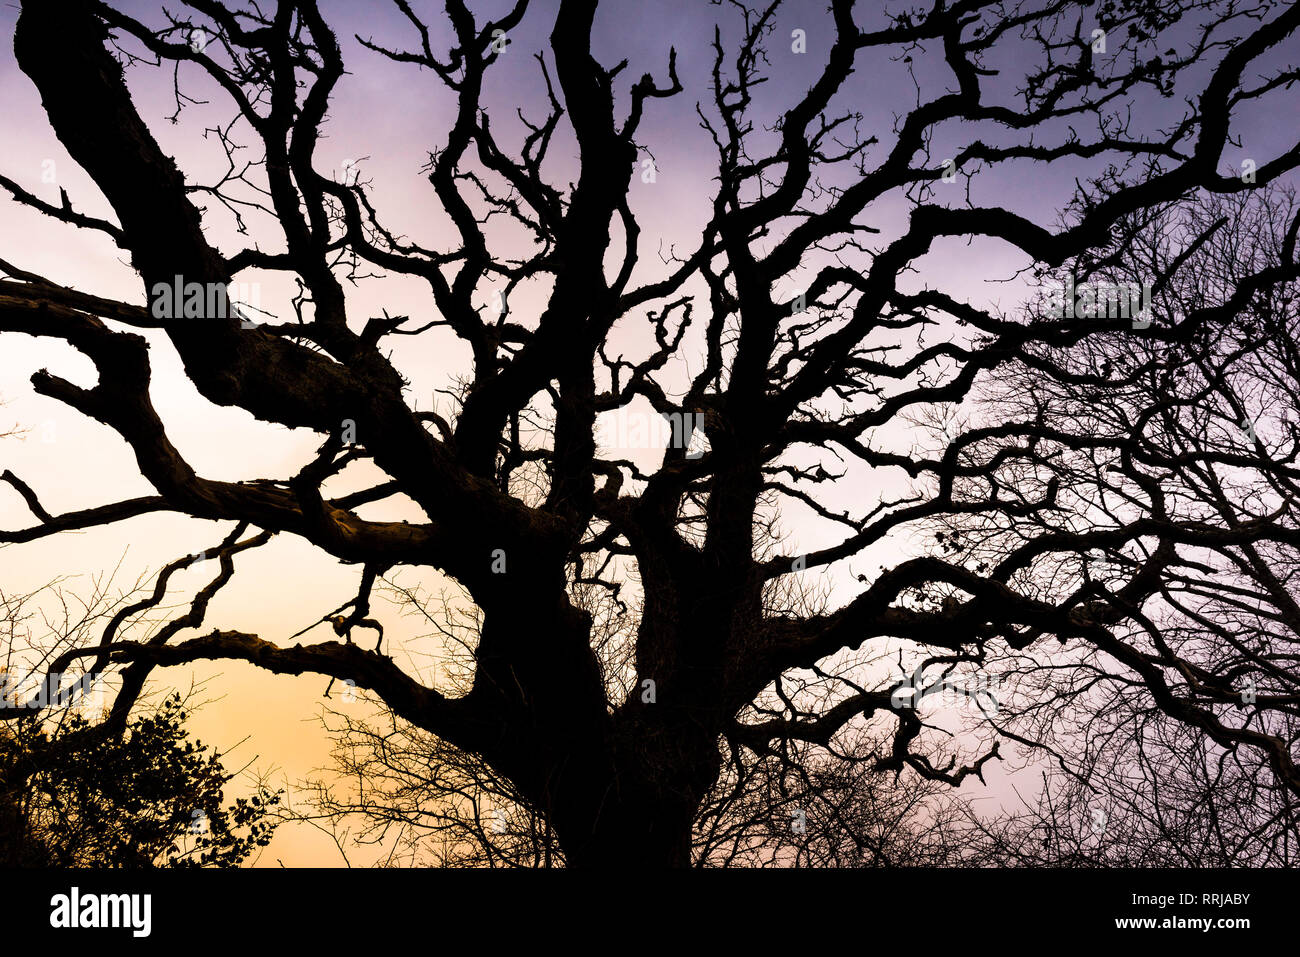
[392,115]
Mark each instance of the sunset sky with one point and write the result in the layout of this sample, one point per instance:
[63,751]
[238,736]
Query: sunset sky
[386,117]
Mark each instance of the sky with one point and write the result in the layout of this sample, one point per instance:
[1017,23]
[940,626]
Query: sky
[385,118]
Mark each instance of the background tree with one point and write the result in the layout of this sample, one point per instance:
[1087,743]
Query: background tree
[149,798]
[806,398]
[1174,742]
[86,785]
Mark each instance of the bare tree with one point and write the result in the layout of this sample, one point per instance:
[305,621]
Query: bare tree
[425,802]
[1175,741]
[821,353]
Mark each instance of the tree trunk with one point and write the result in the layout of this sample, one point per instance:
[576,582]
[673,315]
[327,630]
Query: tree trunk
[631,833]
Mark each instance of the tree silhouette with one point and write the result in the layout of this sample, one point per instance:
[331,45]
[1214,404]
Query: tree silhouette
[821,355]
[1181,729]
[149,798]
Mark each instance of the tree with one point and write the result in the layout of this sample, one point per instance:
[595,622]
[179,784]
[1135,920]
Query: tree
[1174,743]
[83,785]
[149,798]
[822,356]
[426,802]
